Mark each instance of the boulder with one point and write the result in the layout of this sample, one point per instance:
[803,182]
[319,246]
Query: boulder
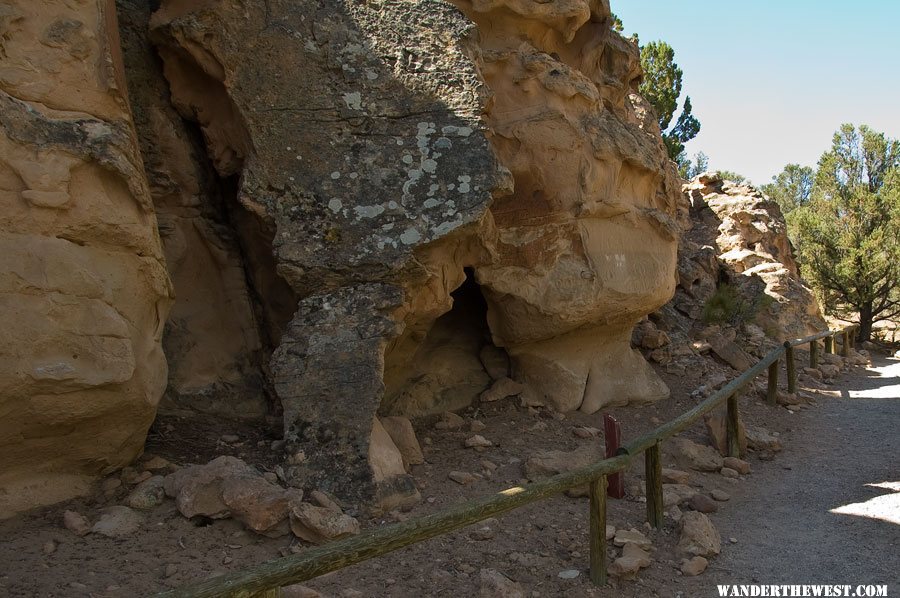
[323,500]
[720,495]
[450,421]
[228,487]
[675,494]
[698,536]
[829,372]
[738,465]
[813,373]
[695,456]
[255,502]
[730,353]
[197,489]
[633,559]
[694,566]
[651,337]
[702,503]
[631,536]
[675,476]
[319,525]
[760,439]
[401,431]
[477,442]
[76,523]
[788,398]
[117,522]
[147,495]
[394,488]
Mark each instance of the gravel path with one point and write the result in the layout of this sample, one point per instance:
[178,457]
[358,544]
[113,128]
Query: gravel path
[829,511]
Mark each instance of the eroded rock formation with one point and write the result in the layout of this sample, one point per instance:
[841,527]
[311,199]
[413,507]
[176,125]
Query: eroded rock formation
[84,292]
[586,242]
[752,245]
[366,209]
[386,147]
[217,337]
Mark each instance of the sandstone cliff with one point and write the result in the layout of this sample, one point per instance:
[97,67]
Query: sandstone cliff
[365,209]
[382,149]
[84,292]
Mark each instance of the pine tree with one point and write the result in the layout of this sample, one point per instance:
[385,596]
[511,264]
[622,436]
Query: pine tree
[848,234]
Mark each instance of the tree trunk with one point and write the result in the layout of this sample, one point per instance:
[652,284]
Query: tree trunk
[865,322]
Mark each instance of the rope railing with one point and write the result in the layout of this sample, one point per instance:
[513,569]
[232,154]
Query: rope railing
[265,580]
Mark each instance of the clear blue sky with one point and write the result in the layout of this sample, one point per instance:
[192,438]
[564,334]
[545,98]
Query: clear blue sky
[772,80]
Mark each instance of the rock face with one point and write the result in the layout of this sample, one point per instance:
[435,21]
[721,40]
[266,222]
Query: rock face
[84,293]
[752,244]
[390,153]
[366,210]
[586,241]
[218,335]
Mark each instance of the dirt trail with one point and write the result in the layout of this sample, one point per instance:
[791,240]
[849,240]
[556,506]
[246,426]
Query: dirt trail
[847,459]
[781,514]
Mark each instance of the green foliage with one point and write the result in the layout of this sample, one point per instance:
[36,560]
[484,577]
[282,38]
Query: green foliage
[616,23]
[734,177]
[848,233]
[687,169]
[727,306]
[661,87]
[792,188]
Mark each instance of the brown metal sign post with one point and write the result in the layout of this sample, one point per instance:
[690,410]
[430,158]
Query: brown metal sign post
[612,433]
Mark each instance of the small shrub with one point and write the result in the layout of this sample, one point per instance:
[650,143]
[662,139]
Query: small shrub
[727,306]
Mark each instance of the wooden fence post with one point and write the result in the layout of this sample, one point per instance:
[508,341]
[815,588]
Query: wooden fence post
[853,337]
[598,531]
[829,344]
[732,424]
[791,367]
[813,354]
[653,482]
[772,391]
[612,434]
[845,346]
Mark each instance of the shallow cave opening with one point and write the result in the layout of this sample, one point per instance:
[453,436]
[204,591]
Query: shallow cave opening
[444,367]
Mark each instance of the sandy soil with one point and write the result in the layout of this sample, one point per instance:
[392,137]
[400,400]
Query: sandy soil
[778,514]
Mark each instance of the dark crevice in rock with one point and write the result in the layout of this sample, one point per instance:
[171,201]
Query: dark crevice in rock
[274,301]
[221,332]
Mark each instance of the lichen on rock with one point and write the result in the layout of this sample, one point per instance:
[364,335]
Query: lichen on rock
[397,150]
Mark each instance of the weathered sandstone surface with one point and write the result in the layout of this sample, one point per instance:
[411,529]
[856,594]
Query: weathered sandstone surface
[366,210]
[586,241]
[753,247]
[217,336]
[389,147]
[84,292]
